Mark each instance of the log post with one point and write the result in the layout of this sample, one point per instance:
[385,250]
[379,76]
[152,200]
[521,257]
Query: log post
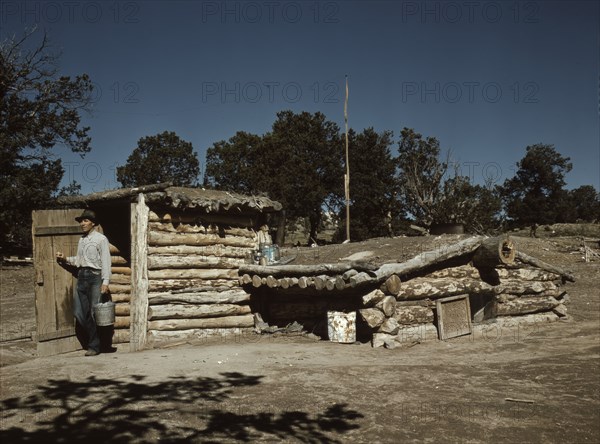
[139,274]
[526,259]
[495,251]
[256,281]
[391,285]
[372,316]
[428,258]
[387,305]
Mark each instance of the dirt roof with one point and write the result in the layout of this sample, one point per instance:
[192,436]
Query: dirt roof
[178,197]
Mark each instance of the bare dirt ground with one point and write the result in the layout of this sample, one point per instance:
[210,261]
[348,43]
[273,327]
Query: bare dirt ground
[533,384]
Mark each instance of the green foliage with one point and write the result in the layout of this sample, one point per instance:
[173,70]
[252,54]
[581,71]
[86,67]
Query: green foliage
[535,194]
[582,204]
[374,205]
[420,176]
[433,194]
[233,165]
[38,109]
[304,156]
[477,207]
[298,163]
[160,158]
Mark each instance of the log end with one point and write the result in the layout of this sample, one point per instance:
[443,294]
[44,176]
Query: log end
[507,251]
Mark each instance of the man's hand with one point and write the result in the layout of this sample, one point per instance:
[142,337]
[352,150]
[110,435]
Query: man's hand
[104,289]
[60,258]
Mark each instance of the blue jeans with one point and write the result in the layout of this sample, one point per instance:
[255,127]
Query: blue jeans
[89,282]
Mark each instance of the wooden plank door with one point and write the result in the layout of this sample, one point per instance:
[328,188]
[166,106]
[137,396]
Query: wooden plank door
[53,231]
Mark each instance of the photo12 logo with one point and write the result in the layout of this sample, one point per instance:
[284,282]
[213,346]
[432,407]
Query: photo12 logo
[227,12]
[469,92]
[427,12]
[271,91]
[116,92]
[29,12]
[91,173]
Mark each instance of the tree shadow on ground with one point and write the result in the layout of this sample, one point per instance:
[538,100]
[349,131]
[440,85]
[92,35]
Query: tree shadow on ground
[177,410]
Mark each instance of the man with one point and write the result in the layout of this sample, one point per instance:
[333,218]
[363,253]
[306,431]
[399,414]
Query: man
[93,276]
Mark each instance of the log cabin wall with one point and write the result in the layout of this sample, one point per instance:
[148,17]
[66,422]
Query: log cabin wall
[399,302]
[175,268]
[192,262]
[120,294]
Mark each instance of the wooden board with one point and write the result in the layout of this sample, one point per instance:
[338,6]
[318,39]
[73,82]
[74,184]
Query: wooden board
[53,231]
[454,316]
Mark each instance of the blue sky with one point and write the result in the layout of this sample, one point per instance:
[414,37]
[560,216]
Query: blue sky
[486,78]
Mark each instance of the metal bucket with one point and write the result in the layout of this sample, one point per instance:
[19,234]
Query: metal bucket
[450,228]
[341,327]
[104,314]
[271,253]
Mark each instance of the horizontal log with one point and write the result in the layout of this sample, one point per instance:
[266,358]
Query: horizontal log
[118,260]
[524,305]
[305,270]
[186,324]
[526,259]
[214,297]
[413,314]
[120,297]
[122,321]
[120,288]
[209,250]
[421,288]
[526,274]
[176,262]
[429,258]
[196,334]
[202,229]
[191,311]
[120,336]
[225,219]
[157,285]
[114,251]
[194,274]
[122,309]
[121,279]
[461,272]
[525,287]
[121,270]
[156,238]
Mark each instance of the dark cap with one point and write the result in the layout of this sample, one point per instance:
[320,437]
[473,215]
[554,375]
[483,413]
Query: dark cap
[87,214]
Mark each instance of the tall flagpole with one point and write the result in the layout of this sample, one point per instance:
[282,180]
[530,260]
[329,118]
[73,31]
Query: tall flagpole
[347,175]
